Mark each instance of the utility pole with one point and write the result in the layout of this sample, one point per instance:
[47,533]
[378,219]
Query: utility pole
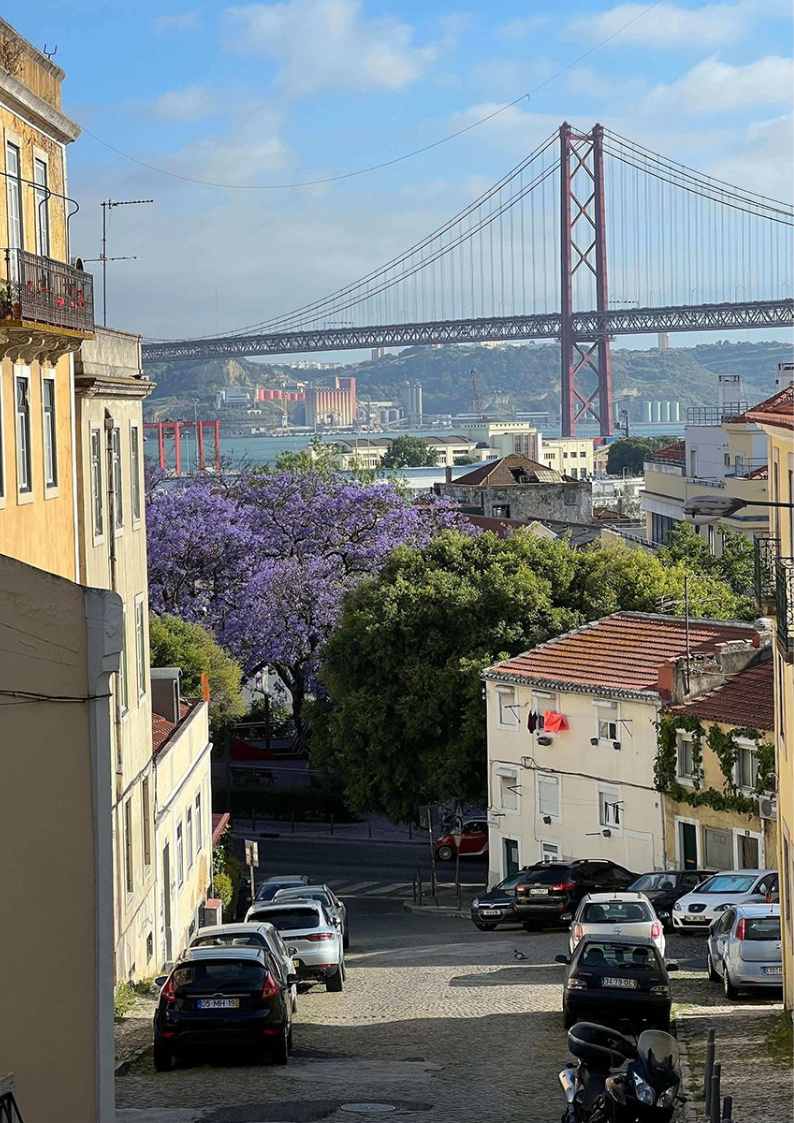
[106,205]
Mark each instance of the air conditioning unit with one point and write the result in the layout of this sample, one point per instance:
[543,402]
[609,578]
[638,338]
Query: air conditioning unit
[767,807]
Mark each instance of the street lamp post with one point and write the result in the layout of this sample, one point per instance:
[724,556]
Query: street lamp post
[707,508]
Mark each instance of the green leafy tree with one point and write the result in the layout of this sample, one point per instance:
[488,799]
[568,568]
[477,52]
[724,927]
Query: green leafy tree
[403,721]
[318,457]
[192,648]
[737,562]
[409,452]
[629,454]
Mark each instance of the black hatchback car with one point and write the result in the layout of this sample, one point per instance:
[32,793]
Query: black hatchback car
[550,892]
[664,888]
[216,997]
[616,980]
[497,905]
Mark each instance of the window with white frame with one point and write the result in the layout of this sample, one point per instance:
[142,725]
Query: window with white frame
[507,781]
[135,471]
[140,645]
[40,175]
[50,432]
[22,411]
[550,852]
[189,833]
[180,855]
[548,796]
[745,769]
[116,483]
[129,862]
[685,757]
[542,701]
[199,825]
[147,827]
[508,710]
[97,498]
[607,720]
[121,678]
[610,808]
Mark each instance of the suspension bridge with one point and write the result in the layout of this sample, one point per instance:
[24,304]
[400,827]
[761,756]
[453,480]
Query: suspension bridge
[591,236]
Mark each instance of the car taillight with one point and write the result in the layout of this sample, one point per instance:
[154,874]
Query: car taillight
[168,993]
[741,929]
[578,932]
[271,988]
[656,930]
[563,887]
[316,937]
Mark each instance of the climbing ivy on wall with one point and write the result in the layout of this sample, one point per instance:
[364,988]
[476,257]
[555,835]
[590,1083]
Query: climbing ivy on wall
[724,745]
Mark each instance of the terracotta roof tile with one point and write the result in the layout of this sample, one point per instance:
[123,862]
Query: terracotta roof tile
[162,727]
[621,652]
[535,472]
[673,452]
[746,699]
[777,410]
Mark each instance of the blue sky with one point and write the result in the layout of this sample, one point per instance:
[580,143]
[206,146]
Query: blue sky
[271,93]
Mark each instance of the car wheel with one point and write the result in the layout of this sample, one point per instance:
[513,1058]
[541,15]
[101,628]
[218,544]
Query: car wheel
[163,1057]
[334,982]
[729,989]
[711,969]
[445,853]
[280,1053]
[481,924]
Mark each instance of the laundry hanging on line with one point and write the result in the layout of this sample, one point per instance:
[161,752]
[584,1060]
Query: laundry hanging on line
[554,722]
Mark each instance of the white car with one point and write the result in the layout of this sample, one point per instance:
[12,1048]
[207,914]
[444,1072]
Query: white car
[258,934]
[306,927]
[697,910]
[328,899]
[616,914]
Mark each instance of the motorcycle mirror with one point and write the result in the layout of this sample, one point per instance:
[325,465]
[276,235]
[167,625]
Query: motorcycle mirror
[562,959]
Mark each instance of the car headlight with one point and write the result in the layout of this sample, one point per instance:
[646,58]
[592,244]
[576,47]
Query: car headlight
[643,1090]
[723,907]
[678,907]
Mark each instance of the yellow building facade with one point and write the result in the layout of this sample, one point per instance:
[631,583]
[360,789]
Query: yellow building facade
[775,574]
[46,310]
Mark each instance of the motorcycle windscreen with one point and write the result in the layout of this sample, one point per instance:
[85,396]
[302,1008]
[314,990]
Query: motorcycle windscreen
[658,1049]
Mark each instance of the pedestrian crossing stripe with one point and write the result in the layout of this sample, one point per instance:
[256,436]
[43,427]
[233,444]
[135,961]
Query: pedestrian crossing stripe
[372,888]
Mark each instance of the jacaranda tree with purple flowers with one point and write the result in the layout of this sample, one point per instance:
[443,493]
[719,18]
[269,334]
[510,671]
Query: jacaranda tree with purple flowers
[265,560]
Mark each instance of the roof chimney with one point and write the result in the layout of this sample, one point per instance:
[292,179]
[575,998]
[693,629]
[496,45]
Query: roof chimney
[165,692]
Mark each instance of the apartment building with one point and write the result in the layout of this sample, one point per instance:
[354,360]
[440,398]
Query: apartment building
[60,643]
[572,738]
[775,574]
[515,487]
[110,389]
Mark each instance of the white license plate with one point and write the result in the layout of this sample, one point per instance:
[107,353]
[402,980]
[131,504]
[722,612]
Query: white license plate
[490,912]
[218,1003]
[621,984]
[772,970]
[539,892]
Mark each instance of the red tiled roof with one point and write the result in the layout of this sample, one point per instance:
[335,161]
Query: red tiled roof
[162,727]
[777,410]
[535,472]
[761,473]
[219,824]
[623,652]
[746,699]
[674,452]
[502,528]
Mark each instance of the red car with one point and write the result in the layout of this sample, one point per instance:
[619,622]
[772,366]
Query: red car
[471,842]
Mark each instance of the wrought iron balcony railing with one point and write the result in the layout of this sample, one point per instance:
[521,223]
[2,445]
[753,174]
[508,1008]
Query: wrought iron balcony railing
[715,415]
[765,553]
[44,291]
[749,469]
[784,606]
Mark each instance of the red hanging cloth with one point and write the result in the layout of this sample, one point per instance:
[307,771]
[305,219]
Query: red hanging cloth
[554,722]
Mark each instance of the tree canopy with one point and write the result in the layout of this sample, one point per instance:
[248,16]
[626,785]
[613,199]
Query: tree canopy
[735,564]
[266,559]
[403,721]
[189,646]
[629,454]
[409,452]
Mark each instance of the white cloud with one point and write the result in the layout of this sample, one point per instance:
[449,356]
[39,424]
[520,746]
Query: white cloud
[188,104]
[714,86]
[763,162]
[320,44]
[667,25]
[179,21]
[522,28]
[515,129]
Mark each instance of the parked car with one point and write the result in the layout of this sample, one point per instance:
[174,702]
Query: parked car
[250,935]
[617,979]
[335,908]
[663,888]
[306,926]
[697,910]
[550,892]
[471,842]
[216,997]
[271,885]
[497,905]
[744,948]
[616,914]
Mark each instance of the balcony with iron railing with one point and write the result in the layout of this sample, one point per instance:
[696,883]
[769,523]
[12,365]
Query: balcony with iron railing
[750,469]
[41,293]
[766,550]
[784,606]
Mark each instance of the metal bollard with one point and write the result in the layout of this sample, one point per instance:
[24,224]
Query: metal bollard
[727,1109]
[708,1071]
[715,1094]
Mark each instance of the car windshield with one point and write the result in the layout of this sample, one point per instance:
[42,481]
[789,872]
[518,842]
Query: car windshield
[306,893]
[512,881]
[268,890]
[606,956]
[288,919]
[654,881]
[615,912]
[762,928]
[546,875]
[220,975]
[728,883]
[241,940]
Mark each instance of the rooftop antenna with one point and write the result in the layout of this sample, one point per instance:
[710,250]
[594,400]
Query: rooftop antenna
[107,205]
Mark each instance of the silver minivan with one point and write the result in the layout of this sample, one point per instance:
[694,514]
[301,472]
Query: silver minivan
[744,948]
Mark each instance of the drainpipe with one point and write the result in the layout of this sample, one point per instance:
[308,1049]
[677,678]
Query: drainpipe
[109,427]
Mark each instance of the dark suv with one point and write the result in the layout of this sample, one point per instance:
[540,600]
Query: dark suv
[663,888]
[549,893]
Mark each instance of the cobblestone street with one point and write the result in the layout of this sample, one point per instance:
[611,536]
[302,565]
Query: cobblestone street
[439,1021]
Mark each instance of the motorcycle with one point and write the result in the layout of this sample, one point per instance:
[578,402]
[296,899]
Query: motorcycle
[618,1079]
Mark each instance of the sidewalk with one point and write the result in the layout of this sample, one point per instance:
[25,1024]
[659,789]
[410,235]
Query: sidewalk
[445,902]
[374,830]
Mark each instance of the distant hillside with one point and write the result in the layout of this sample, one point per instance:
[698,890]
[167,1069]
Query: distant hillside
[522,377]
